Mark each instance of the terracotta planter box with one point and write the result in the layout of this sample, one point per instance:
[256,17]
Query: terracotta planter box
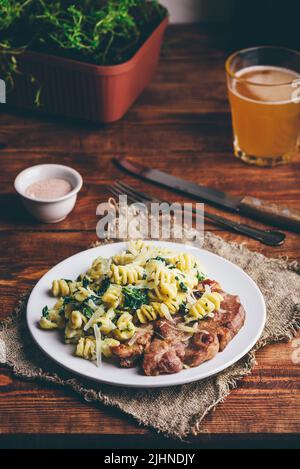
[100,94]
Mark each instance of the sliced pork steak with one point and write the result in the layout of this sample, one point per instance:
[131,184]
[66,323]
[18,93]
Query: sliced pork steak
[164,357]
[202,347]
[129,355]
[166,348]
[172,351]
[228,321]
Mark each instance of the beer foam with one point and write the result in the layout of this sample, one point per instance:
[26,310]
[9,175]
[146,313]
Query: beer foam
[266,84]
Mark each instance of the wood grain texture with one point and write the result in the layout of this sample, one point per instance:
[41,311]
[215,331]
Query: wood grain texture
[180,124]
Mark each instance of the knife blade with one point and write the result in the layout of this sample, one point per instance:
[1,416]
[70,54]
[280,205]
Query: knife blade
[249,206]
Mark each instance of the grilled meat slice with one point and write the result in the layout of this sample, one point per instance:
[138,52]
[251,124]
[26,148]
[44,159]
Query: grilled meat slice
[227,322]
[129,355]
[167,330]
[203,346]
[172,348]
[175,348]
[166,354]
[164,357]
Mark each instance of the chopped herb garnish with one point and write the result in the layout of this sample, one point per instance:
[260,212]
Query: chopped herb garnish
[104,286]
[200,276]
[87,311]
[183,309]
[45,312]
[161,259]
[183,287]
[134,298]
[85,282]
[67,300]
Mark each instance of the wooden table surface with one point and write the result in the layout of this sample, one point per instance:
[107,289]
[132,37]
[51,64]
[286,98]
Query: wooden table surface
[180,124]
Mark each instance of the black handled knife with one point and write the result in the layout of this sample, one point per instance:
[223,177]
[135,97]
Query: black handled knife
[266,212]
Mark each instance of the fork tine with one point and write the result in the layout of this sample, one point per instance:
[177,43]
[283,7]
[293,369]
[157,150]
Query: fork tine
[129,190]
[138,197]
[117,192]
[139,194]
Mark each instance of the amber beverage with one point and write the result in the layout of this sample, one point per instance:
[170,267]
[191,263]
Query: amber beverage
[264,93]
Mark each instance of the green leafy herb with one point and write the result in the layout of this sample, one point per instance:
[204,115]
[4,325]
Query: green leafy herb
[102,32]
[104,286]
[87,311]
[134,298]
[45,312]
[200,276]
[68,299]
[85,282]
[183,287]
[161,259]
[183,309]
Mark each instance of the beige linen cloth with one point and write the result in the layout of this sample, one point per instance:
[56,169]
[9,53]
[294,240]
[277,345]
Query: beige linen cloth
[176,411]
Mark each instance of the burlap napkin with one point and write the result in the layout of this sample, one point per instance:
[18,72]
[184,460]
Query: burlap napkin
[176,411]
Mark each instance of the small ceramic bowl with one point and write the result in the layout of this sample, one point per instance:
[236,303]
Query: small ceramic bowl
[45,210]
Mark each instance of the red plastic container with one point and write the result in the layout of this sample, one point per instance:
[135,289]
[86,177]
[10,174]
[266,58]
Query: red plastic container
[100,94]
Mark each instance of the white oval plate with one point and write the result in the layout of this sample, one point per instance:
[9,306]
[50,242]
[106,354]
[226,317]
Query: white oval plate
[232,278]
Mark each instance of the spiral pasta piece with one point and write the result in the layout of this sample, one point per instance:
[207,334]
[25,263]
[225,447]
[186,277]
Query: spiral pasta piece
[184,261]
[164,280]
[173,305]
[47,324]
[124,258]
[77,320]
[151,312]
[60,288]
[204,306]
[99,269]
[125,327]
[113,296]
[86,348]
[146,314]
[82,294]
[136,247]
[72,336]
[127,274]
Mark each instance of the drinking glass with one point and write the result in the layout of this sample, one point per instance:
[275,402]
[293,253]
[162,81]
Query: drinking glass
[264,93]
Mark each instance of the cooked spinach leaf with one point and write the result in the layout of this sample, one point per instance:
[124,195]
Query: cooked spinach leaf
[45,312]
[183,287]
[134,298]
[104,286]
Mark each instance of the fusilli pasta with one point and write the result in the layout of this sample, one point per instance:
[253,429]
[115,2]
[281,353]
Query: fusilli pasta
[108,304]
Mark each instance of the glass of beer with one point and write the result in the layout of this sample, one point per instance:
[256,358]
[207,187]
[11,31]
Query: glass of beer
[264,93]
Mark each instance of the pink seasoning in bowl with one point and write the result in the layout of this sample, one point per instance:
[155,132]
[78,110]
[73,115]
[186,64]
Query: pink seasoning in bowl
[49,189]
